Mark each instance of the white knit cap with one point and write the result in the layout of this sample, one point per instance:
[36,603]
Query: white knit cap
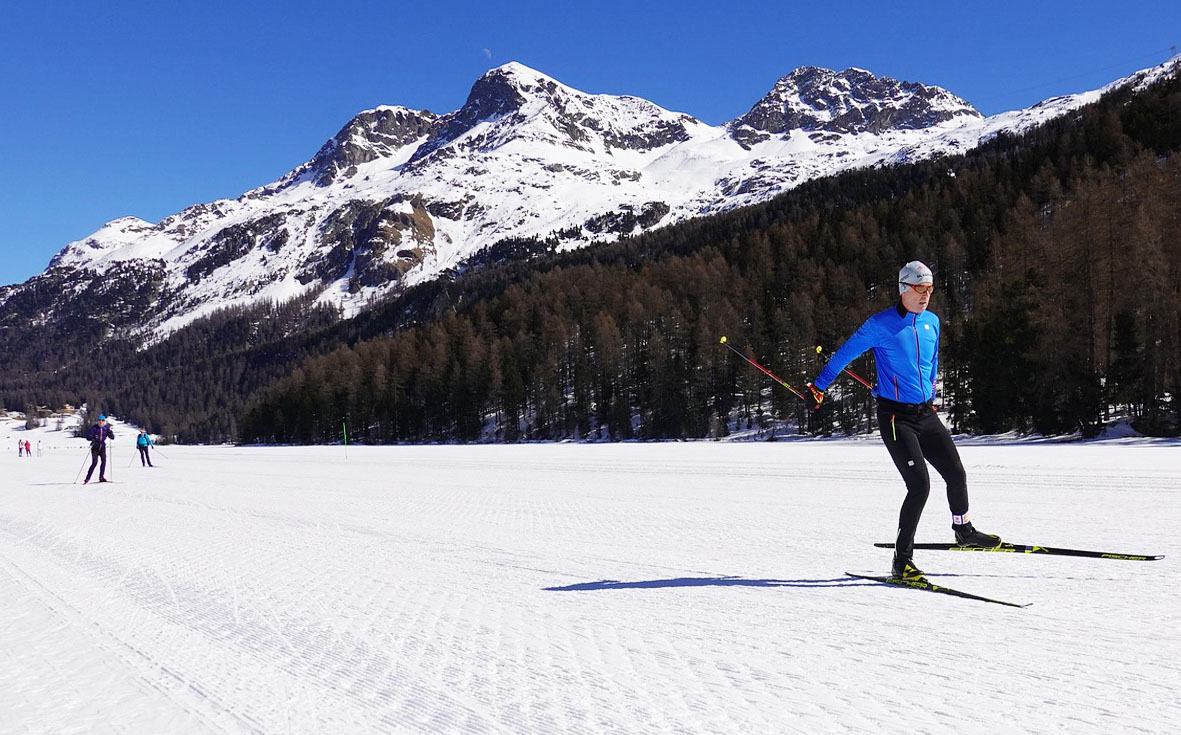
[913,273]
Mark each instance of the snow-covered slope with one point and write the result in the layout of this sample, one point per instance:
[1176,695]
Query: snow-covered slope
[399,196]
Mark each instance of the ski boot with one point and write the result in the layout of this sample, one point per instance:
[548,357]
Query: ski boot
[966,535]
[904,569]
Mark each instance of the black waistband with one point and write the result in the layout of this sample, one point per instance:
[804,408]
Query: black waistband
[886,404]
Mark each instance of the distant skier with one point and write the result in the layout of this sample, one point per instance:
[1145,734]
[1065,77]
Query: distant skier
[142,442]
[905,343]
[20,448]
[38,447]
[28,450]
[98,435]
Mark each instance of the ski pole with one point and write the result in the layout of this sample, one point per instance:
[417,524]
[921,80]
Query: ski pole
[774,377]
[80,468]
[859,379]
[854,375]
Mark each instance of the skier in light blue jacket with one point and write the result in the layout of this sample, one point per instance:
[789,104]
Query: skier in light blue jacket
[905,344]
[142,442]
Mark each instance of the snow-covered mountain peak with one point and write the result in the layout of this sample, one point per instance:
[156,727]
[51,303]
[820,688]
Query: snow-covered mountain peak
[812,98]
[514,86]
[110,237]
[522,76]
[515,103]
[126,225]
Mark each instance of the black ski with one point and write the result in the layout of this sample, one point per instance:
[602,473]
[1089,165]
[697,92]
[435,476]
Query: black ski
[1024,549]
[926,584]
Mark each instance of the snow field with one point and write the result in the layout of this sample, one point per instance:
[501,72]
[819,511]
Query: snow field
[638,588]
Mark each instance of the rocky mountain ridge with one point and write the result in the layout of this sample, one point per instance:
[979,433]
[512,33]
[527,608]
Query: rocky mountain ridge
[400,196]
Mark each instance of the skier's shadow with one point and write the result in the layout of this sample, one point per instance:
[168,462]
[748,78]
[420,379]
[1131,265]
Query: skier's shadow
[612,584]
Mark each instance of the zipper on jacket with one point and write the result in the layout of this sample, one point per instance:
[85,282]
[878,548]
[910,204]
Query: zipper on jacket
[918,356]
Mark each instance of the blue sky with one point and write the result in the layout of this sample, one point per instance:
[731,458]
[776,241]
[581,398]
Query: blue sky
[143,108]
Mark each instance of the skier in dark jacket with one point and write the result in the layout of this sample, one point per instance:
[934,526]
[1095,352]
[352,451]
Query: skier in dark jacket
[142,442]
[98,435]
[905,343]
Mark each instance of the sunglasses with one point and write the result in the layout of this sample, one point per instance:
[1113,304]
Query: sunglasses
[921,290]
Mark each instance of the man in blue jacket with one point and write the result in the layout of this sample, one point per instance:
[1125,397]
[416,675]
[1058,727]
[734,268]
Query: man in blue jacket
[98,435]
[905,343]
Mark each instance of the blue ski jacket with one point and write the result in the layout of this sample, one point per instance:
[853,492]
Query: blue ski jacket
[905,351]
[143,440]
[98,436]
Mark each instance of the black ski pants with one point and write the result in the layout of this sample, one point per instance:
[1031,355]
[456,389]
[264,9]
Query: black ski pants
[144,459]
[914,435]
[97,454]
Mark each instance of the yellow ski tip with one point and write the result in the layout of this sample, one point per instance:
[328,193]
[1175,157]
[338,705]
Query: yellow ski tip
[723,339]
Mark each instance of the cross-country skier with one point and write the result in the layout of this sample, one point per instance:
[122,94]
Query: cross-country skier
[142,442]
[905,343]
[98,435]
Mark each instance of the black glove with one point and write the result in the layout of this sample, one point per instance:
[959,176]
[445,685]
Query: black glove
[817,397]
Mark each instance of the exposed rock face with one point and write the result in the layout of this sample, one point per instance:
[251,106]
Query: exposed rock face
[367,137]
[493,95]
[851,101]
[372,243]
[627,219]
[235,241]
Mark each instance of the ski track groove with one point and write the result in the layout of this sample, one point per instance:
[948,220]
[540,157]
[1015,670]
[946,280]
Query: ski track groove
[141,664]
[298,646]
